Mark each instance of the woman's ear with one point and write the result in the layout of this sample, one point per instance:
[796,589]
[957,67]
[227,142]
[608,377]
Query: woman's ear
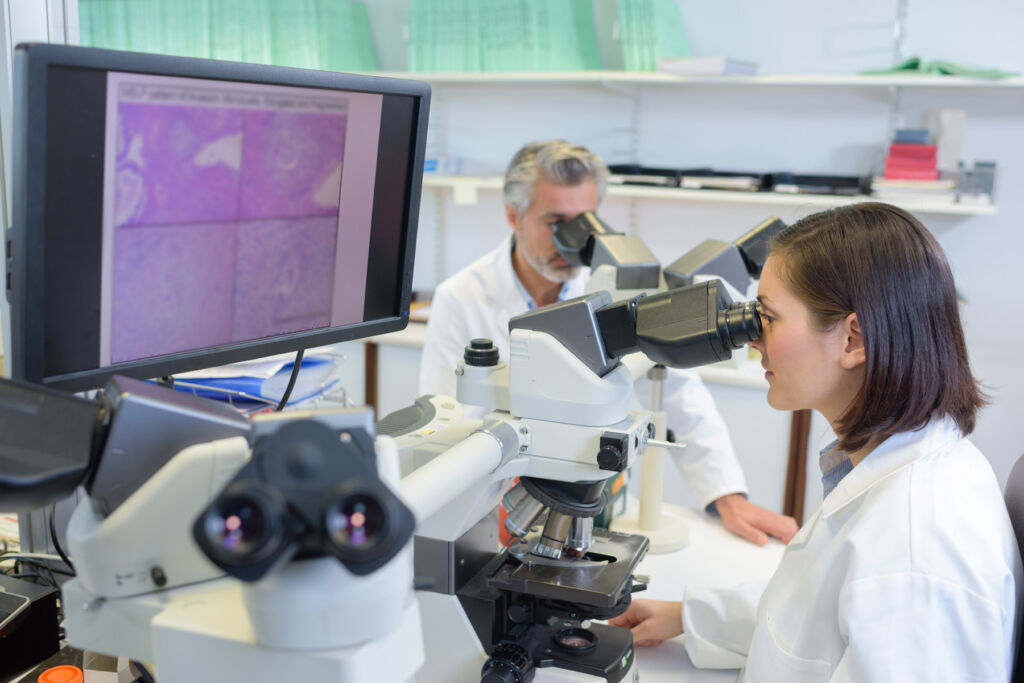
[852,354]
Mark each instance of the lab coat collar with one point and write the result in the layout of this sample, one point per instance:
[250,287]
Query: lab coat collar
[892,455]
[504,291]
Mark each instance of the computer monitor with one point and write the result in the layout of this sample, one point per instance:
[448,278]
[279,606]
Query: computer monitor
[172,213]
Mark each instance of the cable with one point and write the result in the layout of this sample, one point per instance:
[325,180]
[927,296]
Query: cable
[14,555]
[35,563]
[143,675]
[56,541]
[291,380]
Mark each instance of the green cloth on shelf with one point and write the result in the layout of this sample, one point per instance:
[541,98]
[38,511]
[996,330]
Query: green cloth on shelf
[916,65]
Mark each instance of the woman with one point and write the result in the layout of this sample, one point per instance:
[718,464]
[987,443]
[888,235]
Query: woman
[909,570]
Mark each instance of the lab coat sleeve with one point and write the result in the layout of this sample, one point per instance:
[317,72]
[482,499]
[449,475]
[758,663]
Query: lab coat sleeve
[708,464]
[916,627]
[443,345]
[718,624]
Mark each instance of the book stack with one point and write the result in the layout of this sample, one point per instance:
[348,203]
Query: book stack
[899,191]
[314,34]
[910,157]
[911,171]
[501,35]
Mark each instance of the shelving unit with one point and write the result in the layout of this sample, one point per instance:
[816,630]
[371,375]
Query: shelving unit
[658,78]
[465,190]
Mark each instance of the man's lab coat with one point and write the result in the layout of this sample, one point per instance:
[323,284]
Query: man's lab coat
[908,571]
[479,300]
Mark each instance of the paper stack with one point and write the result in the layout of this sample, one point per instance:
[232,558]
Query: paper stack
[896,190]
[706,66]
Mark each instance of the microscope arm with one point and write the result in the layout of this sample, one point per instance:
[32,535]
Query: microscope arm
[433,486]
[680,328]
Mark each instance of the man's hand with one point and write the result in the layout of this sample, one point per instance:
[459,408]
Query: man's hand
[651,621]
[754,522]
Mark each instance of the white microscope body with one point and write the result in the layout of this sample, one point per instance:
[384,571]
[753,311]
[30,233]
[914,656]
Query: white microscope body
[146,591]
[552,412]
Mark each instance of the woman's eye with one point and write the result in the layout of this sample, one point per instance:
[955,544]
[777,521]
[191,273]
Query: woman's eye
[767,318]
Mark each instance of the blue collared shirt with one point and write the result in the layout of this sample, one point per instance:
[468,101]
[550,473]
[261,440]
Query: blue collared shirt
[835,464]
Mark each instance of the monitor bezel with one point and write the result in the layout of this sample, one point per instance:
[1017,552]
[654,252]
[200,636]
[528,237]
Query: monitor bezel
[26,279]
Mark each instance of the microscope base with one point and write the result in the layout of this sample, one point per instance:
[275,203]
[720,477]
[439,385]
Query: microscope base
[202,634]
[450,632]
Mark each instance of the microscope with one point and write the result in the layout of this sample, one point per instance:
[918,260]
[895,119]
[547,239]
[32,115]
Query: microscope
[217,547]
[561,423]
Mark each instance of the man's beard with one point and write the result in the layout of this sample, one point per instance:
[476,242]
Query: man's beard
[551,273]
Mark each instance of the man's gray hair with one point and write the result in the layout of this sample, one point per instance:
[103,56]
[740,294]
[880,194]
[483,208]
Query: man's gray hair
[556,161]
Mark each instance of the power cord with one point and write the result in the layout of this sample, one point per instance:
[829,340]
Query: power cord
[56,541]
[291,380]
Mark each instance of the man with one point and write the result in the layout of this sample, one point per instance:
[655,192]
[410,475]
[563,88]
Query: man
[548,182]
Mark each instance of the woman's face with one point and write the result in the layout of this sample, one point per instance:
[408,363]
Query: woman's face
[805,367]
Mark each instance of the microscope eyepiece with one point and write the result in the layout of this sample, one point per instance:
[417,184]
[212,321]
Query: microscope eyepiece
[355,523]
[305,492]
[739,324]
[244,525]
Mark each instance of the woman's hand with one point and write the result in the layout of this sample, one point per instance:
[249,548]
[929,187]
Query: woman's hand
[651,621]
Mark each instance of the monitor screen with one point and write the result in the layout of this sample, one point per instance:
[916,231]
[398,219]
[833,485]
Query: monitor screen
[173,213]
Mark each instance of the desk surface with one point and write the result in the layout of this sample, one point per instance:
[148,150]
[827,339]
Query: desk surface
[712,557]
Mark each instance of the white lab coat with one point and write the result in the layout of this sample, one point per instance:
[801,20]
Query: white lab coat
[479,300]
[908,571]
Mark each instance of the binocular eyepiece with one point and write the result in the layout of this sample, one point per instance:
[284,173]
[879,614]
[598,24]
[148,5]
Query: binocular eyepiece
[305,493]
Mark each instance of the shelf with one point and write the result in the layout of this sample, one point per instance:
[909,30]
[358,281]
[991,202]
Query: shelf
[465,188]
[658,78]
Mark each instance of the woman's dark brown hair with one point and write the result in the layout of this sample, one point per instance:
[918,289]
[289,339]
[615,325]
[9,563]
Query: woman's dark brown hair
[878,261]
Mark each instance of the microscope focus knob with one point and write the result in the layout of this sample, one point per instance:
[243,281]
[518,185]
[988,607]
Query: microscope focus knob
[481,353]
[613,453]
[508,663]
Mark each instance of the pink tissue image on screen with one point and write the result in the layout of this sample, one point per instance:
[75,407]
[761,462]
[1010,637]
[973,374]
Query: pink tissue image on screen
[291,164]
[226,226]
[284,276]
[172,289]
[177,164]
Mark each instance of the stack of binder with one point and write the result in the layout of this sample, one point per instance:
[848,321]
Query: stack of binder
[649,30]
[316,34]
[503,35]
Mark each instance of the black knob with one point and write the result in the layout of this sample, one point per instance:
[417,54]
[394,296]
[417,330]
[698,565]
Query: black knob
[611,458]
[508,663]
[518,613]
[614,448]
[158,576]
[481,353]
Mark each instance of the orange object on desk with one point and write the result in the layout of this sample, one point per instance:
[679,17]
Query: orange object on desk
[61,674]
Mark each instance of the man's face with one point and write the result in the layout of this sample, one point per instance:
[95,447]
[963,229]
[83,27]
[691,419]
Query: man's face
[550,204]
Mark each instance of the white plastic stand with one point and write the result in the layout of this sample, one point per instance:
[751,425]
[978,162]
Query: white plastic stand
[666,530]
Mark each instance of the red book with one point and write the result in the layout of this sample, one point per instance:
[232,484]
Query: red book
[907,150]
[909,164]
[905,174]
